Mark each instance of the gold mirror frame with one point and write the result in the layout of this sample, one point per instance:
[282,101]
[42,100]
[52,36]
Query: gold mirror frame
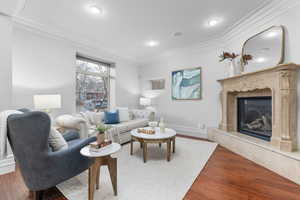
[282,45]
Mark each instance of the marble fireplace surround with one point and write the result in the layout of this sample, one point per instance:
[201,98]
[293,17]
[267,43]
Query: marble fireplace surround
[279,82]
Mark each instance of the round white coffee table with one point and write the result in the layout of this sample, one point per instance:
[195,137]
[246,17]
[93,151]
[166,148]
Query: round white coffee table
[102,158]
[169,137]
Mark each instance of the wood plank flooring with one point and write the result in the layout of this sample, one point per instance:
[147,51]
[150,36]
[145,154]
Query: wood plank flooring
[226,176]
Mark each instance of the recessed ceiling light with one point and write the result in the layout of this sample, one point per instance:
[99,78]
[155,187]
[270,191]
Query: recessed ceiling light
[152,43]
[213,22]
[94,9]
[177,34]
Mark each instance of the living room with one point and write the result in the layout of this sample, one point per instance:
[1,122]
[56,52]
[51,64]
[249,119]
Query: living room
[149,99]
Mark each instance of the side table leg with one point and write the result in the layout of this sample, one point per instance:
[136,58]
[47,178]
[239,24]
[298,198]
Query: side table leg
[145,152]
[112,167]
[92,180]
[131,146]
[174,144]
[98,178]
[168,150]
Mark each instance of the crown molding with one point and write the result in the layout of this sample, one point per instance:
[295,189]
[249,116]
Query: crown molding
[79,42]
[259,17]
[256,18]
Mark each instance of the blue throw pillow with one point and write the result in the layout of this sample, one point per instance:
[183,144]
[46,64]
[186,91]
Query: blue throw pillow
[111,117]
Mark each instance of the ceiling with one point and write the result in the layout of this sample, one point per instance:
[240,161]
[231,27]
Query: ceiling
[127,24]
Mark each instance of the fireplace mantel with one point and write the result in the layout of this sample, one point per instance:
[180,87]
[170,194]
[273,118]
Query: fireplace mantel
[279,82]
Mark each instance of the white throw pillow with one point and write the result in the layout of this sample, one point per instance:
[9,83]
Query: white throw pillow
[98,118]
[124,115]
[56,140]
[69,121]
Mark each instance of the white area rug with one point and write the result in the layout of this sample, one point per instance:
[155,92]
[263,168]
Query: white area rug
[155,180]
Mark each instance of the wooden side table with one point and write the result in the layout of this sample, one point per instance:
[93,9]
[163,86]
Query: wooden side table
[102,158]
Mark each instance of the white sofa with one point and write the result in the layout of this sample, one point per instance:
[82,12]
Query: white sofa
[137,118]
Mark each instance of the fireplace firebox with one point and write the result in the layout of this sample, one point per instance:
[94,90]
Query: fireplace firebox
[255,117]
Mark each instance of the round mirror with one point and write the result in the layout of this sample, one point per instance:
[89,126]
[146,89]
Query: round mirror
[263,50]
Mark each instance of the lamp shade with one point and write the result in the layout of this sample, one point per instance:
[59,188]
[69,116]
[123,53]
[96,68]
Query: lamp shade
[145,101]
[47,101]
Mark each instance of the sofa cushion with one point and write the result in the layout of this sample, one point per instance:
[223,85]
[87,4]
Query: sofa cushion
[132,124]
[112,117]
[123,114]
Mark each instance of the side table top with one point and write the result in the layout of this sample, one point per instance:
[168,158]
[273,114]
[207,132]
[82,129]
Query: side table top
[104,151]
[158,135]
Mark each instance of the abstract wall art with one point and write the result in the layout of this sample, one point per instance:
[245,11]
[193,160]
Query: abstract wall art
[186,84]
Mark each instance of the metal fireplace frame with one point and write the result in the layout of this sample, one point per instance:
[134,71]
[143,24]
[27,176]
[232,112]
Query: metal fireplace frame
[257,135]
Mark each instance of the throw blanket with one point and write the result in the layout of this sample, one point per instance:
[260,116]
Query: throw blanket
[3,131]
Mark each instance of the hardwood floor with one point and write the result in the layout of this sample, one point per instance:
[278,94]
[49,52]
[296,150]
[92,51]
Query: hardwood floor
[226,176]
[12,187]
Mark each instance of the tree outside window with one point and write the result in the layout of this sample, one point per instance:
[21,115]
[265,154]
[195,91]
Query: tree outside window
[92,85]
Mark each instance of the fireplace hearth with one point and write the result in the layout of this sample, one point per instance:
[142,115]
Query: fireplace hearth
[255,117]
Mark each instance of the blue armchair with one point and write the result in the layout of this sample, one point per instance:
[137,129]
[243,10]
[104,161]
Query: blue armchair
[40,167]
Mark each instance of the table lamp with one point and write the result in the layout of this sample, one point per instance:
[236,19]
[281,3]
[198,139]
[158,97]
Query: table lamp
[47,102]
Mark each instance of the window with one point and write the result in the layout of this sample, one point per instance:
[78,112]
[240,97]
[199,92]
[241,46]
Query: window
[92,85]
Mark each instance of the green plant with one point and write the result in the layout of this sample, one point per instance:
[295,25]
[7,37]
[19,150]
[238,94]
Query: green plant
[102,128]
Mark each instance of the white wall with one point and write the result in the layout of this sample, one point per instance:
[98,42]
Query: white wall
[44,64]
[6,165]
[5,57]
[187,116]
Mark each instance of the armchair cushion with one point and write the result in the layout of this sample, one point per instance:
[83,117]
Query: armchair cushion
[56,140]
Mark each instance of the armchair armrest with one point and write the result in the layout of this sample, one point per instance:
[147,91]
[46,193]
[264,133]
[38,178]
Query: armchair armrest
[64,164]
[72,149]
[71,135]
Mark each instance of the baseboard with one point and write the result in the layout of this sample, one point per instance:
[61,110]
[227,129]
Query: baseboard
[189,131]
[7,165]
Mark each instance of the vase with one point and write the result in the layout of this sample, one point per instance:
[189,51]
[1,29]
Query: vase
[100,138]
[231,69]
[234,68]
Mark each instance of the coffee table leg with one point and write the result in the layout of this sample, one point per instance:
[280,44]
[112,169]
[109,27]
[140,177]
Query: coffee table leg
[168,150]
[112,167]
[159,145]
[131,146]
[141,144]
[145,151]
[174,144]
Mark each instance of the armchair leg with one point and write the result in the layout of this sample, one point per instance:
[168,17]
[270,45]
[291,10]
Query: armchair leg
[37,195]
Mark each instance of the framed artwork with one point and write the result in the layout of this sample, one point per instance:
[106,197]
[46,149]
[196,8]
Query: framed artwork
[186,84]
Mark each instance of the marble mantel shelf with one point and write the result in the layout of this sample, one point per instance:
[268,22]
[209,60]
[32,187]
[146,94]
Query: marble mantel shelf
[276,68]
[279,82]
